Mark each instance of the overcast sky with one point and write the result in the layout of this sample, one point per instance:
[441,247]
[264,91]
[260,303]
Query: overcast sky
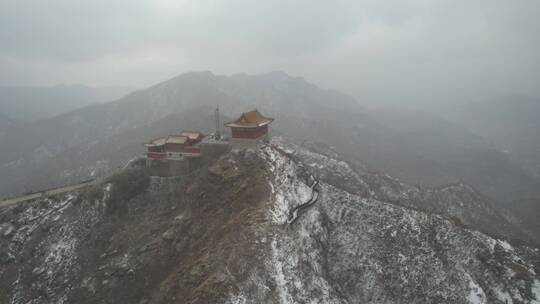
[393,49]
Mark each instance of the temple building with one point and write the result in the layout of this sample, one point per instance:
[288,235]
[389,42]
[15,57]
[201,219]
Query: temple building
[180,154]
[175,147]
[249,127]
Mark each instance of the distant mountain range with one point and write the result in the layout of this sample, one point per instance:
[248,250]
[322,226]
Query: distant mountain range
[510,122]
[27,104]
[418,148]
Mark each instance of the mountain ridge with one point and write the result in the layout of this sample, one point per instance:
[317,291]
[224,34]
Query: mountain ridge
[418,149]
[220,236]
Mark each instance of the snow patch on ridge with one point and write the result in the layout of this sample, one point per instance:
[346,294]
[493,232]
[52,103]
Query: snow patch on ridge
[298,248]
[289,191]
[279,276]
[535,289]
[60,225]
[354,247]
[476,293]
[505,245]
[236,299]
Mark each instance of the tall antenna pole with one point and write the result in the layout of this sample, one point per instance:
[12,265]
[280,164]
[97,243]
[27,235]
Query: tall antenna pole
[218,132]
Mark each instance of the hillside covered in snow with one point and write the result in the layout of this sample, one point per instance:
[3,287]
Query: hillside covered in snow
[221,235]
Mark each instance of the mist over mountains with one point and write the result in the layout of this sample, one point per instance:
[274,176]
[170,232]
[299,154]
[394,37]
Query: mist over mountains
[414,146]
[27,104]
[4,122]
[412,206]
[372,152]
[509,121]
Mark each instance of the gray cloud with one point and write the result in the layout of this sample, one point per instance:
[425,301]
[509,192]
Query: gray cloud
[380,49]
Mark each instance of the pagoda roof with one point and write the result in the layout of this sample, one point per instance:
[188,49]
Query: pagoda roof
[191,134]
[171,139]
[252,119]
[156,142]
[176,139]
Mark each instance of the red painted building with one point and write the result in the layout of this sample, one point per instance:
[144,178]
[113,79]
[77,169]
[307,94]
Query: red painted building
[250,126]
[185,144]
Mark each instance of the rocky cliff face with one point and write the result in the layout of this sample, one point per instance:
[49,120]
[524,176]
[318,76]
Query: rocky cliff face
[220,235]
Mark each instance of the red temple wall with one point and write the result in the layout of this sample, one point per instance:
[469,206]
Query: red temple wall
[249,133]
[156,155]
[156,149]
[192,149]
[170,147]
